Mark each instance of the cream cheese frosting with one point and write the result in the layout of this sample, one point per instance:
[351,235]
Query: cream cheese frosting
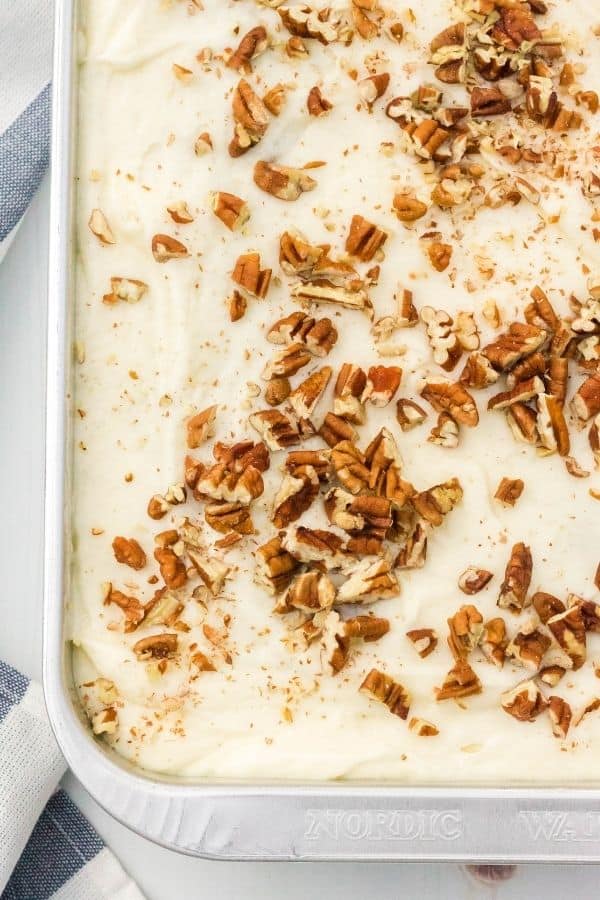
[143,368]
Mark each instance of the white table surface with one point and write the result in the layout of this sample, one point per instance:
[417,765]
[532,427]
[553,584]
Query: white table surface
[162,874]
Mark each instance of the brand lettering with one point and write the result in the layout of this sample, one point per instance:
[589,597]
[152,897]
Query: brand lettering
[561,825]
[383,824]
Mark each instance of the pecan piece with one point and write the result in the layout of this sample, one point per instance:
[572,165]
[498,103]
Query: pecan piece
[520,393]
[319,460]
[510,347]
[283,182]
[369,581]
[248,274]
[220,483]
[335,429]
[129,552]
[461,681]
[547,605]
[440,255]
[568,629]
[349,388]
[224,517]
[364,239]
[382,384]
[422,727]
[316,103]
[524,702]
[131,290]
[276,429]
[522,421]
[509,490]
[318,335]
[310,592]
[305,397]
[156,646]
[98,225]
[586,402]
[478,372]
[407,208]
[466,631]
[157,507]
[274,99]
[166,247]
[560,716]
[237,306]
[452,398]
[424,640]
[373,87]
[231,210]
[551,425]
[473,580]
[494,641]
[409,414]
[349,466]
[275,567]
[172,568]
[251,119]
[132,609]
[436,502]
[287,362]
[445,344]
[368,628]
[488,101]
[529,646]
[414,552]
[551,675]
[310,545]
[384,689]
[517,578]
[237,457]
[200,427]
[212,571]
[594,440]
[445,432]
[528,368]
[295,496]
[251,45]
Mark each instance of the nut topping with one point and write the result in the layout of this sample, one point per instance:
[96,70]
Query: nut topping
[382,384]
[369,581]
[251,45]
[461,681]
[129,552]
[529,646]
[424,640]
[547,606]
[283,182]
[445,433]
[383,688]
[275,567]
[434,504]
[473,580]
[316,103]
[568,629]
[201,427]
[225,517]
[231,210]
[251,119]
[305,397]
[172,568]
[248,274]
[99,226]
[560,716]
[519,341]
[295,496]
[494,641]
[445,344]
[517,578]
[586,402]
[310,592]
[128,289]
[452,398]
[364,239]
[277,430]
[166,247]
[409,414]
[132,609]
[422,727]
[509,490]
[466,631]
[524,702]
[156,646]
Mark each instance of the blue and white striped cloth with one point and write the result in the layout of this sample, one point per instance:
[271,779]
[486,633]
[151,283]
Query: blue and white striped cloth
[47,848]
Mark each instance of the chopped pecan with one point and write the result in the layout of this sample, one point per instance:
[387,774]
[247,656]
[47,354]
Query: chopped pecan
[316,103]
[424,640]
[590,707]
[522,421]
[445,344]
[228,516]
[568,629]
[98,225]
[527,369]
[277,390]
[220,483]
[369,581]
[157,507]
[452,398]
[494,641]
[382,384]
[319,460]
[547,605]
[276,429]
[296,255]
[540,311]
[355,514]
[551,425]
[283,182]
[510,347]
[132,609]
[203,144]
[172,568]
[449,52]
[296,48]
[407,208]
[287,362]
[131,290]
[473,580]
[414,552]
[295,496]
[106,721]
[275,567]
[385,465]
[586,402]
[524,702]
[383,688]
[248,274]
[551,675]
[301,20]
[251,119]
[560,716]
[349,388]
[520,393]
[231,210]
[200,427]
[529,646]
[351,294]
[445,432]
[311,545]
[274,99]
[164,608]
[237,457]
[478,372]
[237,306]
[466,631]
[436,502]
[156,646]
[368,628]
[318,335]
[409,414]
[212,571]
[335,429]
[466,331]
[509,490]
[201,662]
[129,552]
[594,439]
[488,101]
[461,681]
[251,45]
[305,397]
[440,255]
[166,247]
[422,727]
[310,592]
[349,466]
[364,239]
[373,87]
[180,213]
[517,578]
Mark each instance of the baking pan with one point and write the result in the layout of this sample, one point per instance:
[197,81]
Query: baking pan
[335,821]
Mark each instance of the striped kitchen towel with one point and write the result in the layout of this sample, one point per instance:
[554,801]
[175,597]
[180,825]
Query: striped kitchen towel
[47,848]
[25,71]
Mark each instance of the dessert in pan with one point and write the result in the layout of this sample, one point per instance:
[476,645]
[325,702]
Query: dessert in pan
[336,394]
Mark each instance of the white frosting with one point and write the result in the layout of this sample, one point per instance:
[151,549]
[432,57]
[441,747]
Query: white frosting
[138,124]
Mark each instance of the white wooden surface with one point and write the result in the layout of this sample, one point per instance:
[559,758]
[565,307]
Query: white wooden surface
[161,874]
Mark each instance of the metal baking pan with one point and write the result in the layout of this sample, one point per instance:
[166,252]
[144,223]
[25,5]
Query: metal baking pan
[335,821]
